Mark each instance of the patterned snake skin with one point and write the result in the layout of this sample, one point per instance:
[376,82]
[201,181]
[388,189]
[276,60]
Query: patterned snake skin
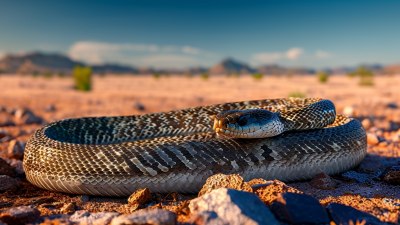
[177,151]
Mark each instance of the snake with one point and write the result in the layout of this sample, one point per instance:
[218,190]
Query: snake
[288,139]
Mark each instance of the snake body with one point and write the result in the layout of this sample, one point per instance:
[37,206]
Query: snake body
[177,151]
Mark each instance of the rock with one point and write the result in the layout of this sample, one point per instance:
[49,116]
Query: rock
[232,181]
[68,208]
[323,181]
[6,119]
[26,116]
[7,183]
[348,111]
[16,149]
[392,105]
[366,123]
[139,106]
[139,198]
[146,217]
[20,215]
[232,207]
[17,165]
[392,175]
[4,136]
[207,217]
[6,169]
[295,208]
[342,214]
[372,139]
[269,192]
[50,108]
[83,217]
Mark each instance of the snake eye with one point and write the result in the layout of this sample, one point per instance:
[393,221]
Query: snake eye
[242,121]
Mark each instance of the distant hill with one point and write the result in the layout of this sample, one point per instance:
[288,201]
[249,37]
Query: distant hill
[229,65]
[38,62]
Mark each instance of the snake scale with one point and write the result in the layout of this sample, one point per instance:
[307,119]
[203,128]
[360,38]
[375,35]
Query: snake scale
[177,151]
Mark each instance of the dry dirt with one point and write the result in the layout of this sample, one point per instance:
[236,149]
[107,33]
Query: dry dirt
[54,98]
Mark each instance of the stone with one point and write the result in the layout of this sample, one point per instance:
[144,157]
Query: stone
[17,165]
[232,207]
[348,111]
[20,215]
[6,120]
[68,208]
[270,191]
[342,214]
[366,123]
[139,106]
[146,217]
[7,183]
[391,175]
[372,139]
[84,217]
[6,169]
[323,181]
[358,177]
[4,136]
[16,149]
[139,197]
[50,108]
[296,208]
[392,105]
[232,181]
[207,217]
[26,116]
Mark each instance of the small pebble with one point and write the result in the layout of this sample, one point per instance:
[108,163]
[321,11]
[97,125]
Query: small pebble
[16,149]
[26,116]
[139,197]
[372,139]
[139,106]
[68,208]
[348,111]
[366,123]
[392,175]
[323,181]
[50,108]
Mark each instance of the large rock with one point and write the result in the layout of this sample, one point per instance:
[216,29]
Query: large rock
[299,209]
[26,116]
[16,149]
[83,217]
[139,197]
[20,215]
[342,214]
[146,217]
[6,169]
[7,183]
[391,175]
[231,207]
[232,181]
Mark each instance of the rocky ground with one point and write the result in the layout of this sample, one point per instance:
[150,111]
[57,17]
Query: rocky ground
[369,193]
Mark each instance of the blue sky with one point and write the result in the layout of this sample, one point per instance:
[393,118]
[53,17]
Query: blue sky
[186,33]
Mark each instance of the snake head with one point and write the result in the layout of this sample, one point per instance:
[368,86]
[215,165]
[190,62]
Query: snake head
[249,123]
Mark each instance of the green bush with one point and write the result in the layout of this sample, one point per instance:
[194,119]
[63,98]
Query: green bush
[205,76]
[366,76]
[297,94]
[322,77]
[48,75]
[257,76]
[83,78]
[156,75]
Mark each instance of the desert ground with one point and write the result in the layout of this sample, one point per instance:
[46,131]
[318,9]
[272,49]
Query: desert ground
[367,187]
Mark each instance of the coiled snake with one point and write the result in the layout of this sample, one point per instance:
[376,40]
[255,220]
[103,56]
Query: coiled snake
[177,151]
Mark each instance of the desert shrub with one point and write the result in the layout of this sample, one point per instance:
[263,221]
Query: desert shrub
[188,75]
[296,94]
[322,77]
[83,78]
[61,74]
[366,76]
[257,76]
[48,75]
[205,76]
[156,75]
[35,74]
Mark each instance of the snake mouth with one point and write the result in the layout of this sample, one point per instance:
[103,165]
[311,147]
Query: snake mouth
[225,129]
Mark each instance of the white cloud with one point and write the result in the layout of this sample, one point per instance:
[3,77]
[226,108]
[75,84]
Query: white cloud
[320,54]
[294,53]
[135,54]
[273,57]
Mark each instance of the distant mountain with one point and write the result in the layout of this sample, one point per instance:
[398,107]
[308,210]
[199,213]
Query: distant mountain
[229,65]
[38,62]
[392,69]
[272,69]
